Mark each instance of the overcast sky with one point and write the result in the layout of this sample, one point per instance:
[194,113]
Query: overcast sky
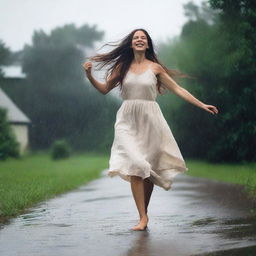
[19,18]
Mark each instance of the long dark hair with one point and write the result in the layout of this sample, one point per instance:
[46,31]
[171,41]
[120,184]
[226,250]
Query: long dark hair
[122,56]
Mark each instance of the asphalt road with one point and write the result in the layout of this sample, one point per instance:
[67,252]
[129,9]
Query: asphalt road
[196,217]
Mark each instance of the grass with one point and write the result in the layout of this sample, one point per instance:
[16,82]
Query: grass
[33,178]
[244,174]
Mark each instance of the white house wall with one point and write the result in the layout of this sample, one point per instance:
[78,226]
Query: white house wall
[21,133]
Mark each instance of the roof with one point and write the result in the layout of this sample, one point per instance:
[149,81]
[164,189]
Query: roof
[13,72]
[14,114]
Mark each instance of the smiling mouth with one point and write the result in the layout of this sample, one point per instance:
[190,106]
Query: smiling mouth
[139,45]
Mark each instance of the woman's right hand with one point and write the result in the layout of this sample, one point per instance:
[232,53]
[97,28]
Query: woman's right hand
[87,67]
[210,108]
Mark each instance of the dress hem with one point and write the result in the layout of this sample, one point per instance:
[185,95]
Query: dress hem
[159,181]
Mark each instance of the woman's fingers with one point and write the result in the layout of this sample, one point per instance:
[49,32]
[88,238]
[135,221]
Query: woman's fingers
[215,109]
[212,109]
[87,65]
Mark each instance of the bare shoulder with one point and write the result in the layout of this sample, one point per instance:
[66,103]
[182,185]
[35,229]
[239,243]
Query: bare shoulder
[157,68]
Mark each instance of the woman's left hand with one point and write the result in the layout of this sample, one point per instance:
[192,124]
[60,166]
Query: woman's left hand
[210,108]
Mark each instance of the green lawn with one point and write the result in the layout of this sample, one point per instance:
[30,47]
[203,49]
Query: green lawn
[244,174]
[35,178]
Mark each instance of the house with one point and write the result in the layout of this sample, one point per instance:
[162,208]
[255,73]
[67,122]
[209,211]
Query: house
[18,121]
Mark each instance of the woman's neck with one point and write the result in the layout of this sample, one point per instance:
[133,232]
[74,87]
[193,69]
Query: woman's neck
[139,58]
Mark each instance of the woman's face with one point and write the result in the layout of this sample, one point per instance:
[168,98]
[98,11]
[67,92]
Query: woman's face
[139,41]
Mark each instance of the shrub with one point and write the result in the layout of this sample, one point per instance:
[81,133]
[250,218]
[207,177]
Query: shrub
[9,147]
[60,149]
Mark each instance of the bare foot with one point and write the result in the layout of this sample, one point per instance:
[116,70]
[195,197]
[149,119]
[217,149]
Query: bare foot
[142,224]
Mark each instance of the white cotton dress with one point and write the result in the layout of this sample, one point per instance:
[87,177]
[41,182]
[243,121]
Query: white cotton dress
[143,143]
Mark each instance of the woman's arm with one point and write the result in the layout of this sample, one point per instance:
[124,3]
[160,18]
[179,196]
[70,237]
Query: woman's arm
[104,88]
[171,85]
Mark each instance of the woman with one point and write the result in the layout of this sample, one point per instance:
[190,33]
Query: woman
[144,151]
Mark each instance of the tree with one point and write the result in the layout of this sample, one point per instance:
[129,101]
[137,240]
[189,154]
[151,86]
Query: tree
[237,26]
[4,55]
[220,53]
[57,98]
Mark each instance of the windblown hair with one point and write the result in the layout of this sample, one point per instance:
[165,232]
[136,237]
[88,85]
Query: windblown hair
[122,56]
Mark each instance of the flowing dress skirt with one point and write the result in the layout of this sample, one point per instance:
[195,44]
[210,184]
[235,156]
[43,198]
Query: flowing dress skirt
[144,145]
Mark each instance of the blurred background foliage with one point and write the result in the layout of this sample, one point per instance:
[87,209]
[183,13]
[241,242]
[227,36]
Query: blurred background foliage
[56,96]
[216,47]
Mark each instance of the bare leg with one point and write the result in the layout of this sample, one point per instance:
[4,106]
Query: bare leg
[137,186]
[148,188]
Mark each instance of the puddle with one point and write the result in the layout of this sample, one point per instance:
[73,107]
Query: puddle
[105,198]
[204,222]
[239,228]
[246,251]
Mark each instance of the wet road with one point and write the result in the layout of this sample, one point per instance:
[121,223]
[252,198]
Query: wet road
[195,217]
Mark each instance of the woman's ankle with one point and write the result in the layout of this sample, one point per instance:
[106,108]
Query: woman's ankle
[144,216]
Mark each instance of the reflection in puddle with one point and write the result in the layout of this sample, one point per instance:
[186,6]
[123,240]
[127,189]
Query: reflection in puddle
[141,244]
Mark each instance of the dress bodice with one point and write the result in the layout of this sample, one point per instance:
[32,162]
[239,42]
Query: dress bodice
[140,86]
